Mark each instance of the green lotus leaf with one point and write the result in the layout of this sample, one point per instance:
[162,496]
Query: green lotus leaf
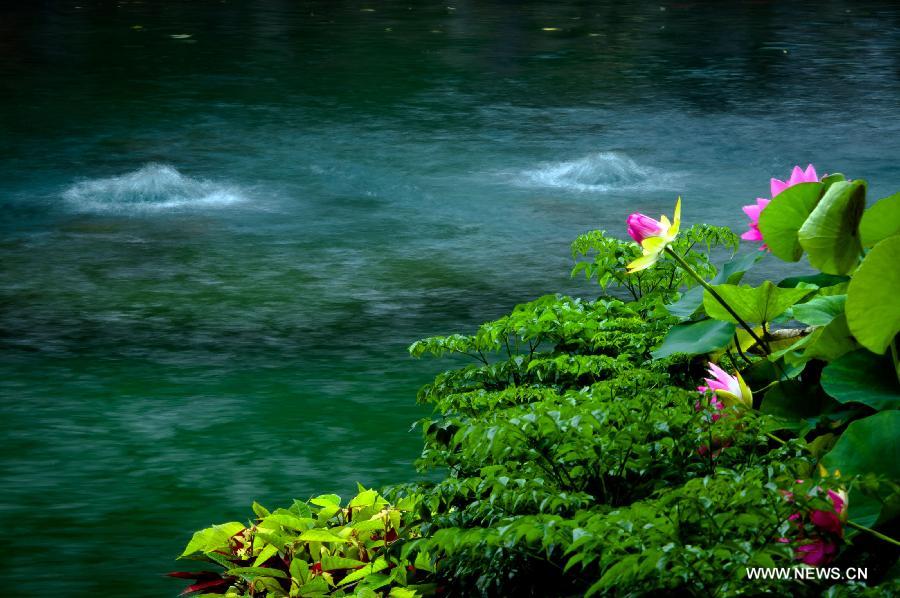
[781,220]
[861,377]
[830,236]
[695,338]
[873,308]
[869,445]
[880,221]
[753,304]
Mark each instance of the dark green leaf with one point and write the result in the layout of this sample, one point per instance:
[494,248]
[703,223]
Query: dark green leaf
[863,377]
[695,338]
[869,445]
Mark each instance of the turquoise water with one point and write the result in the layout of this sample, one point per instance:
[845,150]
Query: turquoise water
[216,248]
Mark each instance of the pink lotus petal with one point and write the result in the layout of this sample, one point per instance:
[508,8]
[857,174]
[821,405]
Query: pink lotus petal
[837,501]
[826,520]
[817,553]
[640,227]
[777,187]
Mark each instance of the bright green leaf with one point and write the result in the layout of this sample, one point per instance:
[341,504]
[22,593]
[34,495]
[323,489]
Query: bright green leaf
[753,304]
[212,538]
[730,272]
[830,235]
[880,221]
[820,311]
[253,572]
[830,342]
[265,554]
[321,535]
[378,565]
[366,498]
[873,299]
[331,563]
[781,220]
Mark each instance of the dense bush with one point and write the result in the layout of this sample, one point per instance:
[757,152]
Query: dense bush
[575,457]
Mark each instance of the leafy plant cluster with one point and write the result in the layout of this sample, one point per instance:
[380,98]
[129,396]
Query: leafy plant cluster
[570,454]
[313,548]
[608,256]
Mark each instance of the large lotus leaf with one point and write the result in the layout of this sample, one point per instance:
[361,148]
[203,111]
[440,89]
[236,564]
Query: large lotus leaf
[731,272]
[862,377]
[781,220]
[880,221]
[869,445]
[820,280]
[820,310]
[829,342]
[830,235]
[757,305]
[792,400]
[695,338]
[873,298]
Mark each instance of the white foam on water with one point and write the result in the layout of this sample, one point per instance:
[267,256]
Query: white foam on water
[598,172]
[152,188]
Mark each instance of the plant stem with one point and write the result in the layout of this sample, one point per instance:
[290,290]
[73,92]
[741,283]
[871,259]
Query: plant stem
[776,438]
[878,535]
[717,297]
[896,358]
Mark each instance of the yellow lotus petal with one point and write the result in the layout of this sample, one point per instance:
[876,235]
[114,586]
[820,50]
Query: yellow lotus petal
[746,393]
[643,262]
[653,245]
[728,399]
[676,222]
[664,220]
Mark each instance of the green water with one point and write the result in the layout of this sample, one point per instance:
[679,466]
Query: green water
[216,248]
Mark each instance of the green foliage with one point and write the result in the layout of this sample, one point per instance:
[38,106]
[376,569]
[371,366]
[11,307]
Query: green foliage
[830,235]
[869,445]
[782,219]
[313,548]
[873,309]
[608,257]
[696,338]
[757,305]
[880,221]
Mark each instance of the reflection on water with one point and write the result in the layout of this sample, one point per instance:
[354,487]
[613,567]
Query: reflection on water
[216,248]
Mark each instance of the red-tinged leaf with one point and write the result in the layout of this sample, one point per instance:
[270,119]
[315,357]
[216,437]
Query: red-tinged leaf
[206,585]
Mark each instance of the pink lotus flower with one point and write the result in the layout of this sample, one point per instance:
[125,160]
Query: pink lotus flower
[653,236]
[752,212]
[728,390]
[798,175]
[820,530]
[640,227]
[816,553]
